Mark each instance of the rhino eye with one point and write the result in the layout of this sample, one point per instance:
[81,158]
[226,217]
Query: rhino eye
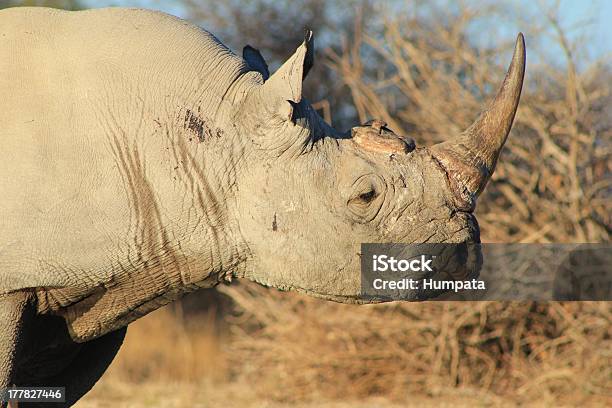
[367,197]
[364,202]
[364,194]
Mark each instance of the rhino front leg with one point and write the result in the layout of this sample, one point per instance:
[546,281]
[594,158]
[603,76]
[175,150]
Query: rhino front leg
[85,369]
[15,310]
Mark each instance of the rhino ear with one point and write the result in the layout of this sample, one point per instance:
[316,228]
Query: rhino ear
[256,61]
[286,83]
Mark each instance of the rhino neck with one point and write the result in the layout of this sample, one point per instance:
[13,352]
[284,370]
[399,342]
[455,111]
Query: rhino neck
[202,160]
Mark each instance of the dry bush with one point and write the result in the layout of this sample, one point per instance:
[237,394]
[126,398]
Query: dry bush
[294,348]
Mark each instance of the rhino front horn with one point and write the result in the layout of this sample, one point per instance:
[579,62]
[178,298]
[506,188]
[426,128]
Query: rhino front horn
[469,160]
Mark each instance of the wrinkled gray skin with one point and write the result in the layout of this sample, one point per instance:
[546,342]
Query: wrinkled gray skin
[142,160]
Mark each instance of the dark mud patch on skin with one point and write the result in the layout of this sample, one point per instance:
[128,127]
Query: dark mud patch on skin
[200,127]
[196,125]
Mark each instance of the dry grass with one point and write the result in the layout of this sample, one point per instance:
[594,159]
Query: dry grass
[275,349]
[164,347]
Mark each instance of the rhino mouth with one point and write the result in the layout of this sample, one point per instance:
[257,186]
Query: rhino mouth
[461,262]
[348,299]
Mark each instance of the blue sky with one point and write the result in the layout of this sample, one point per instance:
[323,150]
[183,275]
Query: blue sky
[600,13]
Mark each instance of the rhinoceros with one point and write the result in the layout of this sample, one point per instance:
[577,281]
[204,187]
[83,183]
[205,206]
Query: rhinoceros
[142,160]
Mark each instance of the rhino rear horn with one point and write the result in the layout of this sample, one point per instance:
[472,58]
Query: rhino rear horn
[470,159]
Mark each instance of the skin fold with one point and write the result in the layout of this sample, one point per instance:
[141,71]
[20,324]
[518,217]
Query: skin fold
[143,160]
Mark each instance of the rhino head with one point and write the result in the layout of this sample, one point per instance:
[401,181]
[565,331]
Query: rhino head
[312,195]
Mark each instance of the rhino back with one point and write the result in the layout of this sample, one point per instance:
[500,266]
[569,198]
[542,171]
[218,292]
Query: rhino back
[86,102]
